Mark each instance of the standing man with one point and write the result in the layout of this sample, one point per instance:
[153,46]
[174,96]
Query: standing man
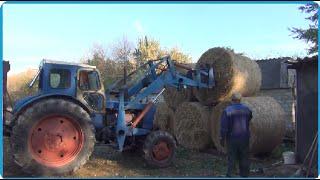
[235,131]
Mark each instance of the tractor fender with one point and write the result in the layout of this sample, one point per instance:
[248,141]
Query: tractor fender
[19,108]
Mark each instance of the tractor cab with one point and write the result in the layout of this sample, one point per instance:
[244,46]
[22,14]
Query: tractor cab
[81,82]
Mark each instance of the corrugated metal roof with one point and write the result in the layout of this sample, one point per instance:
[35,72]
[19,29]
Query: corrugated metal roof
[274,59]
[295,63]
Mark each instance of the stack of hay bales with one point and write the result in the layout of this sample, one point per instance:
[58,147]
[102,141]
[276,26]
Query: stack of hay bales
[267,127]
[196,124]
[237,73]
[190,121]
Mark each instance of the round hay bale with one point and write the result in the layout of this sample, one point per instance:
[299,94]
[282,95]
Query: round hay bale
[191,126]
[163,118]
[233,73]
[267,127]
[173,97]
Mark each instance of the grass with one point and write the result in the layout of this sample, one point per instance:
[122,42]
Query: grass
[107,162]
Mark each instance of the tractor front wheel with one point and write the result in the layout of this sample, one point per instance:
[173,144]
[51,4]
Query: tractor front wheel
[52,137]
[159,149]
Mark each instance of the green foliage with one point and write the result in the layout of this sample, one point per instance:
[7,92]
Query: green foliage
[309,35]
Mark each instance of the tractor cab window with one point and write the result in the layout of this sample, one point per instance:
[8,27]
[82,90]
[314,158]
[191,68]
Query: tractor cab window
[89,80]
[60,78]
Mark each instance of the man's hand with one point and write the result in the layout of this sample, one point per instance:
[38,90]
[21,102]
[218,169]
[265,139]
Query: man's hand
[222,142]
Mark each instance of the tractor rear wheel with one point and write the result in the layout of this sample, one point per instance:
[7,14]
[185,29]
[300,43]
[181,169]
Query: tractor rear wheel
[52,137]
[159,149]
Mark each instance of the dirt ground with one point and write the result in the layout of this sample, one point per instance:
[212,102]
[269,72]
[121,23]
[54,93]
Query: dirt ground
[107,162]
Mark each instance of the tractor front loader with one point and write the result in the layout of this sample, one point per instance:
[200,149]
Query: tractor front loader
[54,131]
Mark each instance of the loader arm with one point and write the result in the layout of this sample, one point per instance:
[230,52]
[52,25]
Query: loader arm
[156,75]
[152,77]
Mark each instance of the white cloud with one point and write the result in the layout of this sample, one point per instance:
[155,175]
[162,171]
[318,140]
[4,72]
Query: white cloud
[138,27]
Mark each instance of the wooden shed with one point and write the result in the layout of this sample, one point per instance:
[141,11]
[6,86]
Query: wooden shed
[307,106]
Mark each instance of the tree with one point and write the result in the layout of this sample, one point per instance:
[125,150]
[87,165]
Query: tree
[178,55]
[107,67]
[123,56]
[18,85]
[309,35]
[98,59]
[148,49]
[122,50]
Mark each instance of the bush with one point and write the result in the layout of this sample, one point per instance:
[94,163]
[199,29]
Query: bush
[18,85]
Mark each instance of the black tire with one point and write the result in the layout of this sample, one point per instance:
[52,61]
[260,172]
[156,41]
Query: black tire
[33,115]
[151,141]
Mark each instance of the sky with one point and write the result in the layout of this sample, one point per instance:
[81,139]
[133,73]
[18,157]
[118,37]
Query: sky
[32,32]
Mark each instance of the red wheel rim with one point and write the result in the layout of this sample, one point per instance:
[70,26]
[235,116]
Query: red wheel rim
[161,151]
[55,140]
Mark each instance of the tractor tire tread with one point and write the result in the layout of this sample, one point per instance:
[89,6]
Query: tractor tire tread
[22,125]
[149,142]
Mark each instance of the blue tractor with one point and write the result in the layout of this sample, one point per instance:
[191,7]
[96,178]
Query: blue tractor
[54,131]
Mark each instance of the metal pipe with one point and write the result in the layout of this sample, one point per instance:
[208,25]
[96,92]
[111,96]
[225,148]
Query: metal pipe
[141,115]
[156,98]
[35,78]
[190,68]
[183,66]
